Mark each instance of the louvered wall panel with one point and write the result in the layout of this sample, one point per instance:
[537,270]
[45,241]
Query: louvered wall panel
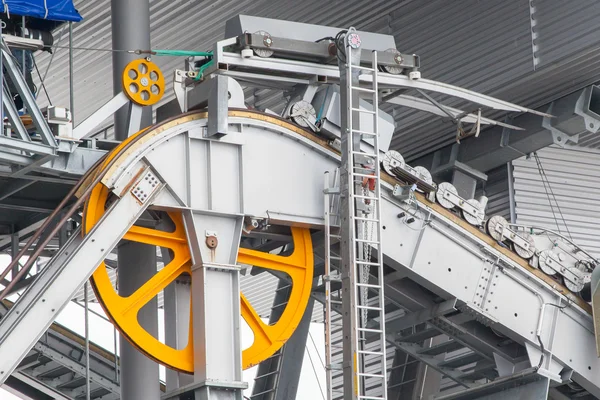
[574,177]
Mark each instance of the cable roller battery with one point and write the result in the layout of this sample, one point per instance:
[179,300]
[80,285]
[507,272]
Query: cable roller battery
[45,36]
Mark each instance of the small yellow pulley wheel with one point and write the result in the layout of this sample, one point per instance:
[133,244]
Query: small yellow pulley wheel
[143,82]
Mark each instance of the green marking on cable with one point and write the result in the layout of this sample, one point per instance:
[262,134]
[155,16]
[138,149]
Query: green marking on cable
[182,53]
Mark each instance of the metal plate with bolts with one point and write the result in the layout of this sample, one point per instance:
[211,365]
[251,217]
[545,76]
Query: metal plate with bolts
[392,159]
[445,189]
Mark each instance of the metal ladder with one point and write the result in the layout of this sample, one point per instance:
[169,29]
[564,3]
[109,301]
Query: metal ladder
[365,372]
[331,275]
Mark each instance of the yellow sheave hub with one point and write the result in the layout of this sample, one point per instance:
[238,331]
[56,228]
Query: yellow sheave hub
[123,310]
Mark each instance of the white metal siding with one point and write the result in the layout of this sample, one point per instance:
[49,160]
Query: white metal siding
[574,176]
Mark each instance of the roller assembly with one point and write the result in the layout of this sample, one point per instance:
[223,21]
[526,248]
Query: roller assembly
[551,252]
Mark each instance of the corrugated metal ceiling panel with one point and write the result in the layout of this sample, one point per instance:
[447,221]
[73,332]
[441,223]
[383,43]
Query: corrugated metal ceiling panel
[574,177]
[479,45]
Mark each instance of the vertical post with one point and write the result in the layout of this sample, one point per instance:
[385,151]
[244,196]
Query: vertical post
[14,250]
[130,21]
[511,193]
[139,374]
[130,31]
[71,72]
[87,341]
[2,26]
[214,243]
[349,77]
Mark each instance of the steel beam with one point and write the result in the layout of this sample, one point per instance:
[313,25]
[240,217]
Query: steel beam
[278,377]
[130,21]
[139,374]
[216,305]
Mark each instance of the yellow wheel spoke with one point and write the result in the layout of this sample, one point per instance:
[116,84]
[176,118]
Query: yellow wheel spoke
[259,328]
[158,282]
[296,262]
[154,237]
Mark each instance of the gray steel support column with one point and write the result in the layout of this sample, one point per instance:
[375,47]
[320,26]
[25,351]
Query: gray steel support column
[292,357]
[177,320]
[139,374]
[130,31]
[278,377]
[130,21]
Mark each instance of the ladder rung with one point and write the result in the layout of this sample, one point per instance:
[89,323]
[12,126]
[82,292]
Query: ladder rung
[367,241]
[335,258]
[370,398]
[360,196]
[366,219]
[368,308]
[370,375]
[360,153]
[365,133]
[368,285]
[361,89]
[373,264]
[362,111]
[361,68]
[335,236]
[335,301]
[261,393]
[364,175]
[369,330]
[265,375]
[371,353]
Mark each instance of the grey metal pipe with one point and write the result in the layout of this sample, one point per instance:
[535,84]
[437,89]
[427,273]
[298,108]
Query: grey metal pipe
[71,72]
[130,31]
[139,375]
[87,341]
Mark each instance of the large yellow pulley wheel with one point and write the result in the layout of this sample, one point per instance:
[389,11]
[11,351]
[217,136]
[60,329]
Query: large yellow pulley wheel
[123,310]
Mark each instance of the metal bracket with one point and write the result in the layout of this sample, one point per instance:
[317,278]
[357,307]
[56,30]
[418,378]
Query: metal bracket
[559,137]
[462,204]
[513,236]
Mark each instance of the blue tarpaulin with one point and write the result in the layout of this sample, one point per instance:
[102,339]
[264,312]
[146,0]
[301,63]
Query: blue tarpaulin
[55,10]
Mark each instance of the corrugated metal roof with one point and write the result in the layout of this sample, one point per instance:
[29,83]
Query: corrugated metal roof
[478,45]
[574,177]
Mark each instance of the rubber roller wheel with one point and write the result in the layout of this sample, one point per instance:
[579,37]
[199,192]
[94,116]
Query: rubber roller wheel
[123,310]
